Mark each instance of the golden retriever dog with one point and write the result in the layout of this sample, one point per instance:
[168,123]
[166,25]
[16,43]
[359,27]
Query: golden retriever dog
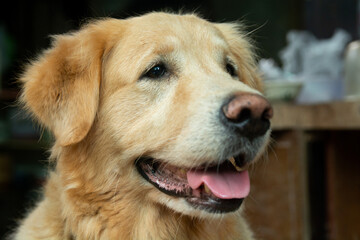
[156,119]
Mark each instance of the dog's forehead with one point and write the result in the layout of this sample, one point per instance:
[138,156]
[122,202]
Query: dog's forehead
[175,30]
[182,40]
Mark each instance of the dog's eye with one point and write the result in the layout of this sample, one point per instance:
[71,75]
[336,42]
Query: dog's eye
[231,69]
[156,72]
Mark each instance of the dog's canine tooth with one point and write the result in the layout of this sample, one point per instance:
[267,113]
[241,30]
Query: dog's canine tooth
[206,188]
[232,160]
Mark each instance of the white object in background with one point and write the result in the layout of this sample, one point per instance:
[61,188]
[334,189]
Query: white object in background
[282,90]
[322,69]
[352,70]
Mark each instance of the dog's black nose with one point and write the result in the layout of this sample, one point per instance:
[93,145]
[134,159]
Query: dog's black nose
[247,113]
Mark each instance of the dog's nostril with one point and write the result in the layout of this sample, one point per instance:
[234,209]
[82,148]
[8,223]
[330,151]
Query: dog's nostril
[268,113]
[243,116]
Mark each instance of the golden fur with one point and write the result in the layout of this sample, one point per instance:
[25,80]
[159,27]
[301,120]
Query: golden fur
[86,90]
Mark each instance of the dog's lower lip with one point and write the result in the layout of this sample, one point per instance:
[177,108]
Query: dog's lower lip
[172,181]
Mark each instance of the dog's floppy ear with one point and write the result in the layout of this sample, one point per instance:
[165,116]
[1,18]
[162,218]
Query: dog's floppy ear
[61,88]
[242,49]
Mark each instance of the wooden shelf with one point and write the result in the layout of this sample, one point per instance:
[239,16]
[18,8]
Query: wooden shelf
[329,116]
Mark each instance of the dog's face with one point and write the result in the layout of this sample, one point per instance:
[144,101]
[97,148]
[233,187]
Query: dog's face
[167,102]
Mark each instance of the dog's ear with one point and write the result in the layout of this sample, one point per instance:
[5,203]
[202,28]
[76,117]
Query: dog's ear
[242,48]
[61,88]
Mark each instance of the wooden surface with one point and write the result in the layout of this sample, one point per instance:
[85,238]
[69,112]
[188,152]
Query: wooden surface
[276,207]
[343,185]
[329,116]
[290,199]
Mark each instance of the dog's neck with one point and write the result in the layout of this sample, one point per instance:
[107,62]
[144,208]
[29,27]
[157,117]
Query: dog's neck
[152,222]
[117,212]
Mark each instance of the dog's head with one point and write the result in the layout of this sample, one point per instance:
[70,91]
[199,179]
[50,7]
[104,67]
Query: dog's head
[160,102]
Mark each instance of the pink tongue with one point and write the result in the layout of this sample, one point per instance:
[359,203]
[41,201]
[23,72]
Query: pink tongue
[224,185]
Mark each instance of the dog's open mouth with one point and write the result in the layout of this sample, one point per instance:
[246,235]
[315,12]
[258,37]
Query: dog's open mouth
[219,188]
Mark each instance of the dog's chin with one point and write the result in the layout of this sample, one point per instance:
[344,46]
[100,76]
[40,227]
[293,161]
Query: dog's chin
[204,190]
[182,206]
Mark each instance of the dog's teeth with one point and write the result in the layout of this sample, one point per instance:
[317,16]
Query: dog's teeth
[182,171]
[232,160]
[206,188]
